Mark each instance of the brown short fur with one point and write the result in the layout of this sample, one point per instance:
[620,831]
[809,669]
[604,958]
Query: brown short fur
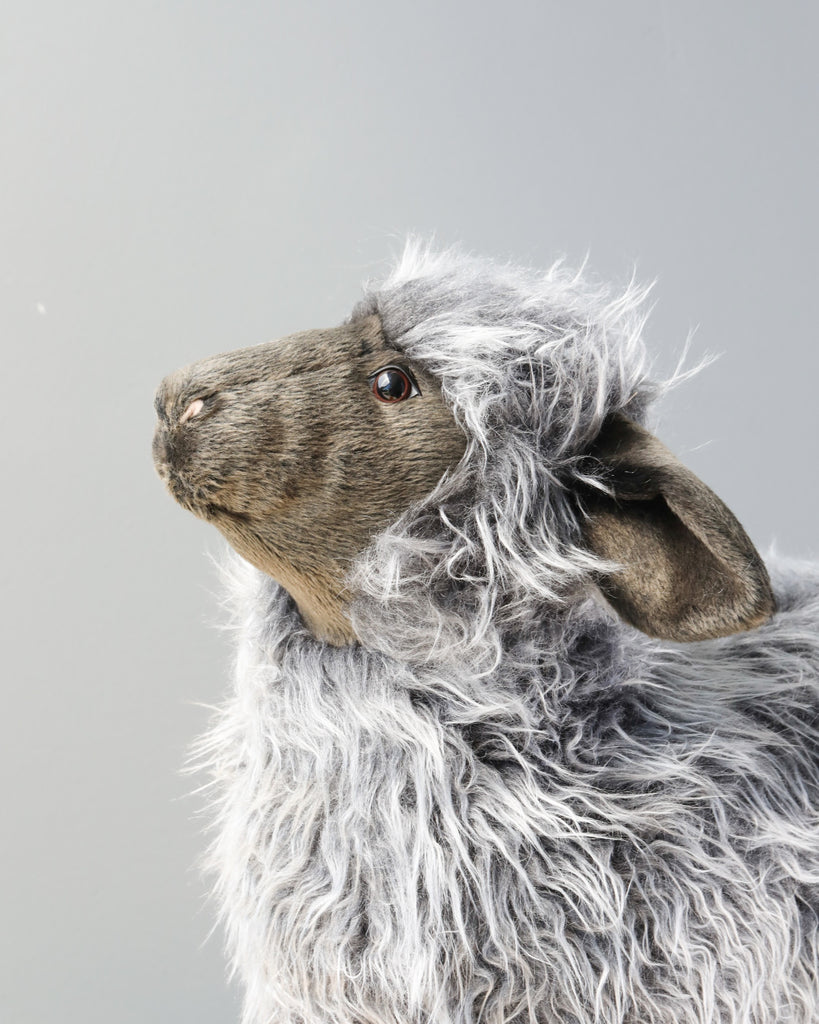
[295,460]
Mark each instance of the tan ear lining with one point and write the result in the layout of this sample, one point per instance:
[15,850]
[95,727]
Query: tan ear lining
[689,570]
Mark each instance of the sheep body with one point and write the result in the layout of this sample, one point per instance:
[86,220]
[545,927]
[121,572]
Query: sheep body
[638,844]
[505,805]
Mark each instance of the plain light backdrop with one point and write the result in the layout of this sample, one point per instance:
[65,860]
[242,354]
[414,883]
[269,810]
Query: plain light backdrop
[181,178]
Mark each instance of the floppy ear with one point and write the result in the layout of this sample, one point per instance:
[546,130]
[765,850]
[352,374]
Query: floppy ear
[689,570]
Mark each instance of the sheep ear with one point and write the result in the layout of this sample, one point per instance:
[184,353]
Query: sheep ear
[689,570]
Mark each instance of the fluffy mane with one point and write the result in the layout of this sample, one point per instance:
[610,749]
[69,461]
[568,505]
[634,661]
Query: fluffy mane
[531,365]
[505,806]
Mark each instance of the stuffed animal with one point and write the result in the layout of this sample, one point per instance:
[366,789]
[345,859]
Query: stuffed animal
[522,729]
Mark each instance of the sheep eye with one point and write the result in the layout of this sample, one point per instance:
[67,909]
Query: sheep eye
[393,384]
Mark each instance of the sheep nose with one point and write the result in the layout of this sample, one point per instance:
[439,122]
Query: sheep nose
[160,448]
[169,443]
[165,400]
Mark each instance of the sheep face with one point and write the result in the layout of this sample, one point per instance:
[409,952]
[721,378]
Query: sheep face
[307,452]
[300,451]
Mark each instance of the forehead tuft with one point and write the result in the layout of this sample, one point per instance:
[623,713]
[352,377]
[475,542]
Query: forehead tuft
[533,349]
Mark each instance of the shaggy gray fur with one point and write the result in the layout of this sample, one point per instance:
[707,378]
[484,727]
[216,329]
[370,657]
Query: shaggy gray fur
[506,805]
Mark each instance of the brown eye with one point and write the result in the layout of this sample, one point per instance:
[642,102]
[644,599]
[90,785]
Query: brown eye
[392,384]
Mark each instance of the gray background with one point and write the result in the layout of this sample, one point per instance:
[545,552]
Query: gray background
[180,178]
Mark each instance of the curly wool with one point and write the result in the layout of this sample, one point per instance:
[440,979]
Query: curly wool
[531,365]
[505,805]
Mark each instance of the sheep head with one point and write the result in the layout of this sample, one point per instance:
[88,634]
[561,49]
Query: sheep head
[300,451]
[525,394]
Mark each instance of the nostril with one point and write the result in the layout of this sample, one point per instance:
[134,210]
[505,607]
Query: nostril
[193,409]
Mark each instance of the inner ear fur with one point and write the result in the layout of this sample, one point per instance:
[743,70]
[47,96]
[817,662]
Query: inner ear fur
[688,569]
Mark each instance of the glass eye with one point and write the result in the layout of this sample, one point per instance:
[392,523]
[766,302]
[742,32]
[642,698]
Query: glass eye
[392,384]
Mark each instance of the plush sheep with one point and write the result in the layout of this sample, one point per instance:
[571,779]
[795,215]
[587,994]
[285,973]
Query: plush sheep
[520,730]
